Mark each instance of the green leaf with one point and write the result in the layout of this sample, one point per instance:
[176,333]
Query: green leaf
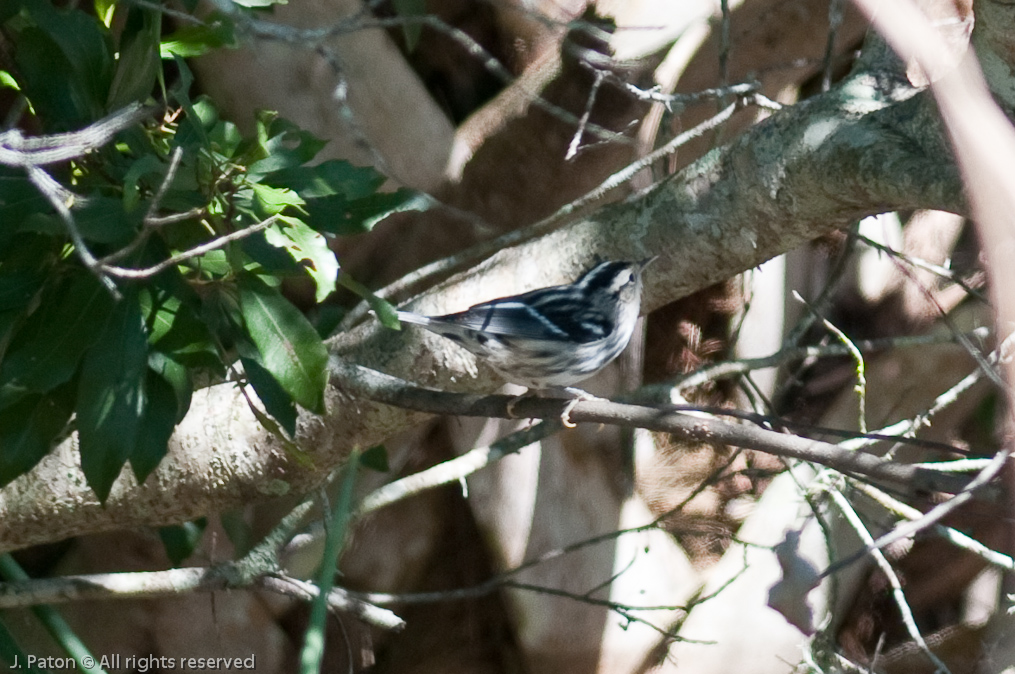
[274,200]
[343,199]
[307,246]
[205,112]
[257,147]
[18,288]
[363,214]
[225,138]
[238,530]
[44,77]
[160,311]
[283,145]
[9,320]
[386,313]
[160,416]
[272,259]
[190,41]
[376,458]
[46,351]
[327,178]
[66,63]
[328,214]
[7,81]
[148,164]
[276,401]
[220,311]
[411,30]
[327,318]
[168,393]
[138,65]
[8,9]
[177,376]
[181,540]
[214,263]
[28,429]
[18,200]
[24,265]
[191,132]
[104,220]
[290,348]
[312,652]
[111,396]
[173,316]
[104,10]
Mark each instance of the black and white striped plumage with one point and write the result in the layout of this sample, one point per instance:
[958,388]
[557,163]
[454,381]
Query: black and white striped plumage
[551,337]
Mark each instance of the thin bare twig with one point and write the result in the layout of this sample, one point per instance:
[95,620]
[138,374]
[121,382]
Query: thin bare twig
[174,583]
[258,568]
[676,102]
[151,222]
[946,318]
[937,270]
[572,149]
[58,197]
[835,15]
[732,368]
[953,536]
[910,426]
[821,302]
[725,44]
[390,390]
[456,469]
[931,517]
[167,180]
[196,251]
[861,380]
[905,611]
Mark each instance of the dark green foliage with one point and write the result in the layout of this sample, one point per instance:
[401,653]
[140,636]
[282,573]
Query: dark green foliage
[112,398]
[376,458]
[121,350]
[180,541]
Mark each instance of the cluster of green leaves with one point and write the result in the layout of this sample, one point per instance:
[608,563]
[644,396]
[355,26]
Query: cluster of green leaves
[119,367]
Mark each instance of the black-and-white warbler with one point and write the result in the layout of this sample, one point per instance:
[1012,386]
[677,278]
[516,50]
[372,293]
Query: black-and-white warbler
[551,337]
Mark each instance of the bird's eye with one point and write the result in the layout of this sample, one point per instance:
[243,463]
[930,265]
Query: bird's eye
[621,281]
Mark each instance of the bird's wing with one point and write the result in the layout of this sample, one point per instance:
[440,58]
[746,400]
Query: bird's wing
[547,320]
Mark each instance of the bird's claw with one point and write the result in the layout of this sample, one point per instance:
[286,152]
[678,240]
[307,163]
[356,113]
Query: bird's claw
[577,396]
[565,416]
[514,401]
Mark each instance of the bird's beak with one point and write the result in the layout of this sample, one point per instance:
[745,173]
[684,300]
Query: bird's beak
[646,262]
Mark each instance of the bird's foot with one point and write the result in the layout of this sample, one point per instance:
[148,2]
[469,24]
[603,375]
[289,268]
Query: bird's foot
[577,396]
[517,399]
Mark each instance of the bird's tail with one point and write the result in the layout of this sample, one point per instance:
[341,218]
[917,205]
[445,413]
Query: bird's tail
[409,317]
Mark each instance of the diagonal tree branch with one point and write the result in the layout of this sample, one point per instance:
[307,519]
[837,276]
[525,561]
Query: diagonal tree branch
[907,478]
